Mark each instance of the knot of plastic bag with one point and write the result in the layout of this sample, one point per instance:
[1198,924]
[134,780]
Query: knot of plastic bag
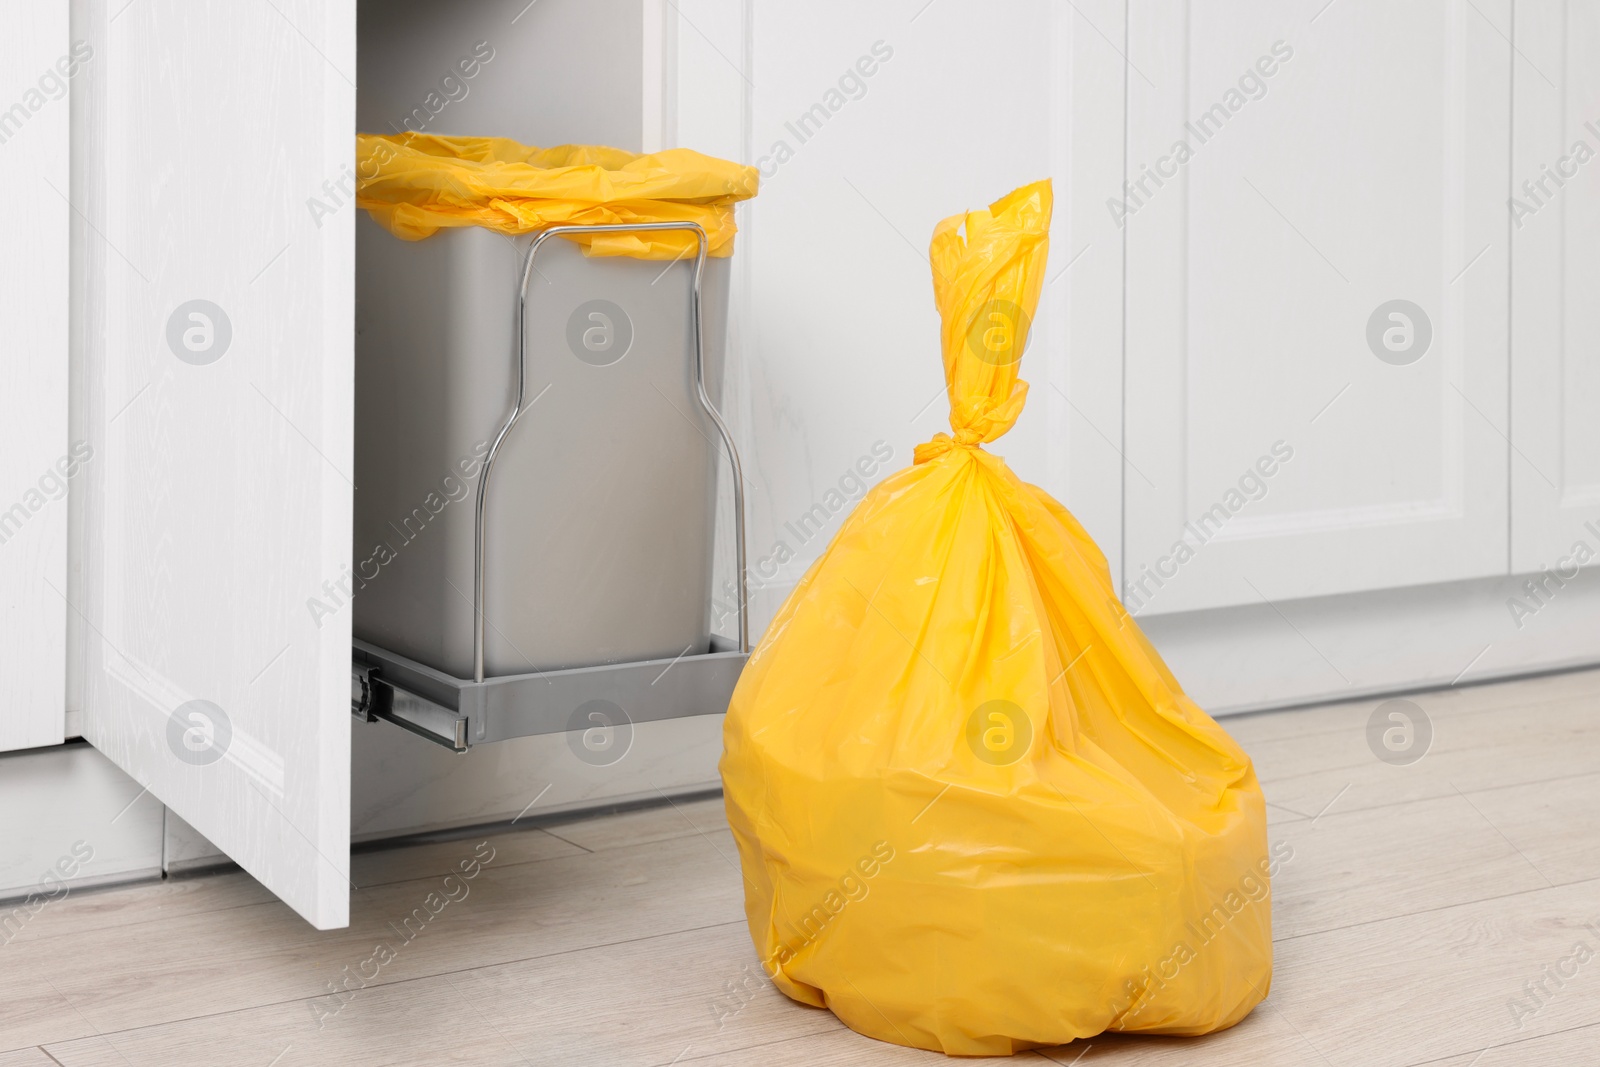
[966,437]
[976,420]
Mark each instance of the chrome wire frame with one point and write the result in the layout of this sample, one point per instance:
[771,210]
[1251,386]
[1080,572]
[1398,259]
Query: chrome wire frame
[517,409]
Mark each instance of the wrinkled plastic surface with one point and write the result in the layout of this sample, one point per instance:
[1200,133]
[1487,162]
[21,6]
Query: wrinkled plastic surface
[975,812]
[415,184]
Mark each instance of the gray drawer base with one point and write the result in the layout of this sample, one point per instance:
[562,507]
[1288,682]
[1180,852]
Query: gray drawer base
[458,713]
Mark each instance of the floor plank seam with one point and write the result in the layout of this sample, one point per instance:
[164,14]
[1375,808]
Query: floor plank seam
[691,832]
[393,983]
[1301,817]
[1433,691]
[496,866]
[367,887]
[1346,769]
[1432,911]
[836,1028]
[1504,1044]
[574,844]
[41,937]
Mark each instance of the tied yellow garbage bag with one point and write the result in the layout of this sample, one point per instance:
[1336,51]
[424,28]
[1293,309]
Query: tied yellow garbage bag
[975,813]
[414,184]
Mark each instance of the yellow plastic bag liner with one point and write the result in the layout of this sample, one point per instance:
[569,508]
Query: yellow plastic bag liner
[415,184]
[974,811]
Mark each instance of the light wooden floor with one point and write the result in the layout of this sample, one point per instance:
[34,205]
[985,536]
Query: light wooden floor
[1418,902]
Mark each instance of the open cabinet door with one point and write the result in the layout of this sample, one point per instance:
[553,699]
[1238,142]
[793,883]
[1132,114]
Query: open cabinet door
[35,463]
[213,152]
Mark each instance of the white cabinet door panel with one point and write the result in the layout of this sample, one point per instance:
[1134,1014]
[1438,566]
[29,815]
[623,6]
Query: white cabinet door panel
[35,455]
[1335,158]
[870,123]
[1555,291]
[220,378]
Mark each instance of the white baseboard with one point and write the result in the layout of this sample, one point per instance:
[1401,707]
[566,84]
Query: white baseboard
[1263,656]
[63,802]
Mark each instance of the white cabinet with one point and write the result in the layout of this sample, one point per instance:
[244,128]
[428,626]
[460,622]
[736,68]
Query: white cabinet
[38,62]
[870,123]
[1555,368]
[218,374]
[213,158]
[1244,193]
[1294,177]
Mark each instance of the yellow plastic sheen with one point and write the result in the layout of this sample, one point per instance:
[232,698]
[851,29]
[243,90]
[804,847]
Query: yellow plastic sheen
[415,184]
[975,812]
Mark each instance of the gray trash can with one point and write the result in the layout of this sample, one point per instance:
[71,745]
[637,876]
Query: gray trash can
[600,514]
